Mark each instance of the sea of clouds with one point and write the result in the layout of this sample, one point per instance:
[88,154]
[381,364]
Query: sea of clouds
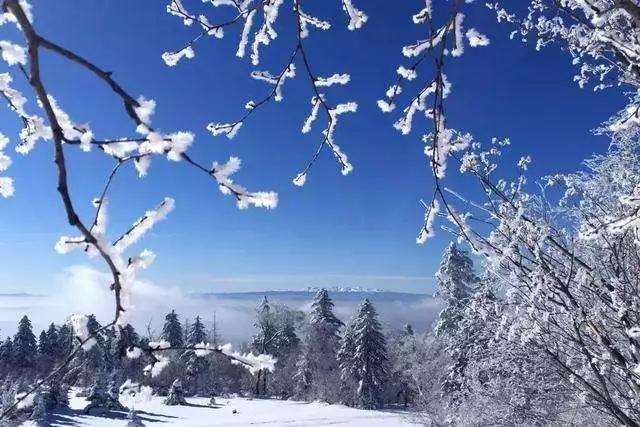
[82,289]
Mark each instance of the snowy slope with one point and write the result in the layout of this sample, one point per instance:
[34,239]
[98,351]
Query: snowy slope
[249,412]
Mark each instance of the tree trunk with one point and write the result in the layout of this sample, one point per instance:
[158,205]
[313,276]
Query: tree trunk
[264,384]
[257,391]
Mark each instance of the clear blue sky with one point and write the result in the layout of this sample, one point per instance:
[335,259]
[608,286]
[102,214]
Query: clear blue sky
[358,229]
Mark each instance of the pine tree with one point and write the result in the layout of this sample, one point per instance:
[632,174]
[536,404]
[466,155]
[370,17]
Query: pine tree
[65,340]
[97,357]
[318,367]
[55,394]
[43,344]
[45,352]
[53,340]
[456,281]
[197,333]
[39,412]
[125,338]
[6,353]
[402,353]
[104,394]
[287,339]
[176,394]
[370,357]
[407,330]
[24,344]
[264,341]
[345,356]
[92,324]
[195,365]
[172,330]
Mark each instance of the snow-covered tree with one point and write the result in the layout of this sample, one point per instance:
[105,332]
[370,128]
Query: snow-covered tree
[133,420]
[456,284]
[318,371]
[65,340]
[55,395]
[345,357]
[6,353]
[364,358]
[176,394]
[287,350]
[25,348]
[456,281]
[48,346]
[39,412]
[197,333]
[172,330]
[265,340]
[401,351]
[104,394]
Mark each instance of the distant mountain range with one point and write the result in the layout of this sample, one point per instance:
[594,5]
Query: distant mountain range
[315,289]
[338,293]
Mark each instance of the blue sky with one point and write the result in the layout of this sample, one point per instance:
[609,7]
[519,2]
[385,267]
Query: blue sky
[354,230]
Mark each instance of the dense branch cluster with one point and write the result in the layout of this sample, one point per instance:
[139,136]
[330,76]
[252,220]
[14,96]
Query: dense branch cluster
[59,128]
[261,18]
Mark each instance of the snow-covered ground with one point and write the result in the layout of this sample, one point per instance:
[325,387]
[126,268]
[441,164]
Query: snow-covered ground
[247,412]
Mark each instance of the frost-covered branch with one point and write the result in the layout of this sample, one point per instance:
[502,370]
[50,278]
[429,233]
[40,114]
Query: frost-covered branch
[59,127]
[263,15]
[156,351]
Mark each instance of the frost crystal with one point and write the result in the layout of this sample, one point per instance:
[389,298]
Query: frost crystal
[12,53]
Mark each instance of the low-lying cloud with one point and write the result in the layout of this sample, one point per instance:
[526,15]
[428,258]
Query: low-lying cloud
[83,289]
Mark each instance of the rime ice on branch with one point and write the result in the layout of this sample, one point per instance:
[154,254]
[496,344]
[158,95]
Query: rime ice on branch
[258,21]
[138,148]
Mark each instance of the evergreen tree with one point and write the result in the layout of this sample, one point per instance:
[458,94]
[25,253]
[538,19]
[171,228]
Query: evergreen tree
[39,412]
[92,324]
[195,366]
[45,352]
[43,344]
[125,338]
[345,357]
[287,349]
[55,394]
[6,353]
[197,333]
[53,341]
[402,354]
[172,330]
[318,367]
[176,394]
[65,340]
[264,340]
[24,344]
[97,357]
[407,330]
[456,281]
[104,394]
[287,339]
[369,361]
